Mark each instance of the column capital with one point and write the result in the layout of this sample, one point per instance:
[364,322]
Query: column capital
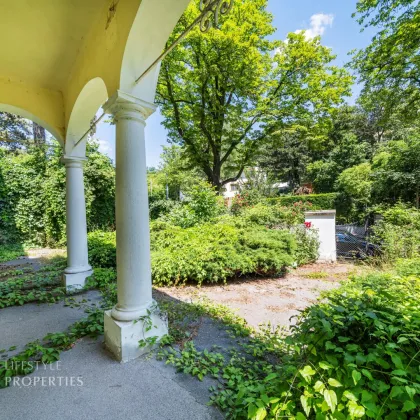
[125,106]
[73,161]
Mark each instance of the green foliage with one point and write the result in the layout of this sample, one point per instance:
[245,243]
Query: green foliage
[408,267]
[224,92]
[390,64]
[354,354]
[307,245]
[269,216]
[216,252]
[201,204]
[354,186]
[160,207]
[102,249]
[356,183]
[194,362]
[347,152]
[208,252]
[10,252]
[325,201]
[175,172]
[245,198]
[396,171]
[13,129]
[20,287]
[398,234]
[273,215]
[32,195]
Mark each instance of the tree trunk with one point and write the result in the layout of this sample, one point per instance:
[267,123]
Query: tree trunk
[39,134]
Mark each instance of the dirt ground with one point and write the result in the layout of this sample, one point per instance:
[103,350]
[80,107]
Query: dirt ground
[258,300]
[273,300]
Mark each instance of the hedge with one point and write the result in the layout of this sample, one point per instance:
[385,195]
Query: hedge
[325,201]
[208,252]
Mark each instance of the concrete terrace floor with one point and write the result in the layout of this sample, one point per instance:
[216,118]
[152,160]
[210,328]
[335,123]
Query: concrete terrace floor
[86,383]
[101,388]
[144,389]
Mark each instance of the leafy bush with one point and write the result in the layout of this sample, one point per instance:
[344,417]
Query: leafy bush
[245,199]
[325,201]
[352,355]
[205,253]
[201,204]
[398,234]
[102,249]
[272,216]
[10,252]
[408,267]
[215,252]
[307,245]
[159,208]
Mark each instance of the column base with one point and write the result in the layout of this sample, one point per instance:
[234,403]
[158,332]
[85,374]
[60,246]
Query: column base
[131,339]
[75,281]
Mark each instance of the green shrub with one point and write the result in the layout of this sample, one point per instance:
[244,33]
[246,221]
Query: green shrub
[102,249]
[408,267]
[307,245]
[272,216]
[32,195]
[159,208]
[354,354]
[216,252]
[205,253]
[245,199]
[325,201]
[10,252]
[201,204]
[398,234]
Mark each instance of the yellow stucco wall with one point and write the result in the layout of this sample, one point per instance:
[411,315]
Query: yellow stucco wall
[83,52]
[43,106]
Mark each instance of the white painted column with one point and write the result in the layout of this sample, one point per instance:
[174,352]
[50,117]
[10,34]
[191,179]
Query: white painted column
[78,268]
[134,280]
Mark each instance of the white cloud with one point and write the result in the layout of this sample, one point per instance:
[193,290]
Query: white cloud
[104,147]
[319,23]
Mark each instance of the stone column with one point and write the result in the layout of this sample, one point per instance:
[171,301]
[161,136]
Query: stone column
[128,322]
[78,268]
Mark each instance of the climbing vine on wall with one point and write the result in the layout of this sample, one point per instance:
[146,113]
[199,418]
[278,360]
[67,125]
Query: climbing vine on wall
[32,194]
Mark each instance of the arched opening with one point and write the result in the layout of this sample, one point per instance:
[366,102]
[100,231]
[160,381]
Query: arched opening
[91,98]
[151,29]
[32,117]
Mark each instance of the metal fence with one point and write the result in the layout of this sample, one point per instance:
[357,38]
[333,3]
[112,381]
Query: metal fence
[352,242]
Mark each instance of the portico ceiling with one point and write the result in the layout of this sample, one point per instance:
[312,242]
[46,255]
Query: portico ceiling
[61,59]
[41,38]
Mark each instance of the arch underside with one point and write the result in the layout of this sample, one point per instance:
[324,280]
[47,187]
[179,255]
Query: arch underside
[123,39]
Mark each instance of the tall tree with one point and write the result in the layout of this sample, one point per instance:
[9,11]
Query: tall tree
[397,171]
[223,93]
[13,129]
[286,157]
[390,65]
[39,134]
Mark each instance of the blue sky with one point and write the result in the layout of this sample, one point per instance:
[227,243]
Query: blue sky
[329,18]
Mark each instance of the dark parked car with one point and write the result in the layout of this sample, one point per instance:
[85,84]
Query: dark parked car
[351,246]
